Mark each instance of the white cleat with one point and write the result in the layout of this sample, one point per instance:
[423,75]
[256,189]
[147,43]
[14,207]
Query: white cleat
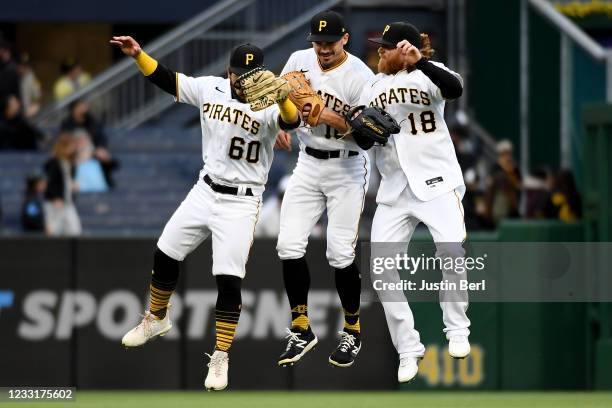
[458,347]
[147,329]
[408,369]
[216,380]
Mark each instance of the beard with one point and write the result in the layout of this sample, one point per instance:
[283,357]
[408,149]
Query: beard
[237,92]
[390,66]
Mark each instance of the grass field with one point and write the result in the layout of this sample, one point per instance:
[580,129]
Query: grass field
[231,399]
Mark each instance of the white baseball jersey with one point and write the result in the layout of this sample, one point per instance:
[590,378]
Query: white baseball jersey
[337,185]
[237,143]
[421,182]
[422,153]
[340,89]
[237,149]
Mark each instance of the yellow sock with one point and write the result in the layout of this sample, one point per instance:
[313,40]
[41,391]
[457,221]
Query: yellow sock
[158,303]
[225,328]
[299,317]
[351,321]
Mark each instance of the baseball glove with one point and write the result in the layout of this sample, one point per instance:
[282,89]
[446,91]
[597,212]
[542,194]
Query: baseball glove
[261,88]
[302,95]
[370,125]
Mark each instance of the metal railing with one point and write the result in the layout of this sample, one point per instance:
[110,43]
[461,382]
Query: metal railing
[200,46]
[571,34]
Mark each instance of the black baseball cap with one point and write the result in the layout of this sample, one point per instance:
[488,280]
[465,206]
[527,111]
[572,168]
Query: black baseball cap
[244,58]
[396,32]
[327,26]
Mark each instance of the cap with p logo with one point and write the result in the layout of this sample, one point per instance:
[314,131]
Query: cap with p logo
[244,58]
[396,32]
[327,26]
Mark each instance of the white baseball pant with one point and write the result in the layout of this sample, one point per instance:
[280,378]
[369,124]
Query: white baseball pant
[338,184]
[228,218]
[443,216]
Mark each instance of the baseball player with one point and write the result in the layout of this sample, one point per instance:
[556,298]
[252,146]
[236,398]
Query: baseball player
[237,149]
[332,174]
[421,180]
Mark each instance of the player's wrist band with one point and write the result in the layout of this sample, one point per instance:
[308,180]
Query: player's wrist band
[288,111]
[146,64]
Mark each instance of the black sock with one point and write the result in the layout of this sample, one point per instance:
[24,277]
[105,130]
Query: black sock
[163,283]
[348,284]
[227,310]
[297,285]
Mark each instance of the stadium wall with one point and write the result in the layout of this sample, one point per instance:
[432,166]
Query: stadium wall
[65,304]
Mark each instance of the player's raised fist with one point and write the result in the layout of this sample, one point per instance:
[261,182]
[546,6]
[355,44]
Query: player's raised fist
[128,45]
[409,52]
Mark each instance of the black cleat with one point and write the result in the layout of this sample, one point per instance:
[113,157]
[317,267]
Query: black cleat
[300,343]
[346,352]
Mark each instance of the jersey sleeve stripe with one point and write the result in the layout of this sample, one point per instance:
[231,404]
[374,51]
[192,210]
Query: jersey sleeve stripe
[177,87]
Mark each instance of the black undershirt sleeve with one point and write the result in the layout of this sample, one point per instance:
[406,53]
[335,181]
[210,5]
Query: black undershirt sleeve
[288,126]
[164,78]
[449,84]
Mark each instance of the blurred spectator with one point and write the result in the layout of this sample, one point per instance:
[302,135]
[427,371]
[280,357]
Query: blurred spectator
[16,133]
[32,213]
[565,199]
[29,87]
[467,156]
[81,118]
[73,78]
[537,194]
[9,78]
[474,203]
[61,216]
[503,192]
[89,174]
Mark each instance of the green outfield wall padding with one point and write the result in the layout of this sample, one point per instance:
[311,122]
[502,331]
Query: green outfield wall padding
[540,231]
[597,177]
[597,181]
[603,365]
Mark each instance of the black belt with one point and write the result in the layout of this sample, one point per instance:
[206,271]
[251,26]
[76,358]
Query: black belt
[225,189]
[327,154]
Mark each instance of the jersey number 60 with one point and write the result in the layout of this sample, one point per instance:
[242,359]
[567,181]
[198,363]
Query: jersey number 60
[237,150]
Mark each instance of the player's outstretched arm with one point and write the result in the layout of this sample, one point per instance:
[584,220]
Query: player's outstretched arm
[155,72]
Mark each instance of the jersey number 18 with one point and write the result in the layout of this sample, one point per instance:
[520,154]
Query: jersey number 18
[329,131]
[428,122]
